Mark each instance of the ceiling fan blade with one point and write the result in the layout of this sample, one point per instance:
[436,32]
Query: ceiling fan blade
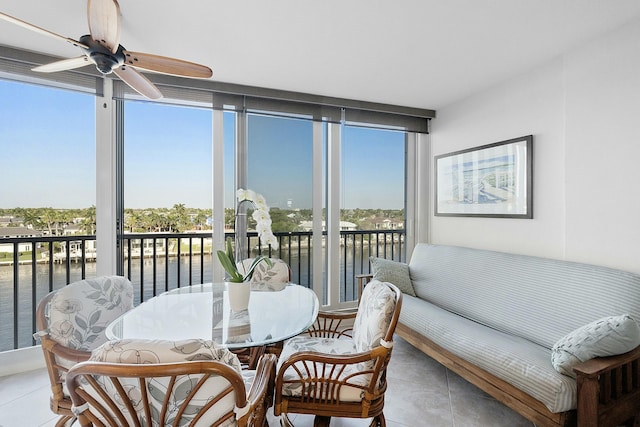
[65,64]
[165,65]
[37,29]
[104,23]
[138,82]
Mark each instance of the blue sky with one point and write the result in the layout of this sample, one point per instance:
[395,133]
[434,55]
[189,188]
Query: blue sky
[47,147]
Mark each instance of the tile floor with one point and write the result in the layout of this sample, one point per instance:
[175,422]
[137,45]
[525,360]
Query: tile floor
[421,393]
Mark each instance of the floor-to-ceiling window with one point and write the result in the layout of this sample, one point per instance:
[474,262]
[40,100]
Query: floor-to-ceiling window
[291,162]
[175,165]
[47,158]
[280,166]
[372,200]
[167,191]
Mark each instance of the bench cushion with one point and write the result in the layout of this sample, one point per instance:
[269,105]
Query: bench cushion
[520,362]
[538,299]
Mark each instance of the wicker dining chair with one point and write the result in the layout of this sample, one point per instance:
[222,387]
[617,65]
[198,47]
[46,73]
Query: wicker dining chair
[278,273]
[341,376]
[166,383]
[265,278]
[71,322]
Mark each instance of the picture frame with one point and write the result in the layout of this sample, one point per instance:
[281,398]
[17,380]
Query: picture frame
[489,181]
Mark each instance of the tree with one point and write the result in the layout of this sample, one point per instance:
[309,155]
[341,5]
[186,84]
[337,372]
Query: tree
[200,220]
[30,217]
[51,219]
[89,220]
[281,221]
[179,218]
[229,218]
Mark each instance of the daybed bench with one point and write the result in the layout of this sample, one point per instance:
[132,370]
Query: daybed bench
[522,329]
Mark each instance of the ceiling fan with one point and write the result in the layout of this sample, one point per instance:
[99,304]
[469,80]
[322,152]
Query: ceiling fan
[102,47]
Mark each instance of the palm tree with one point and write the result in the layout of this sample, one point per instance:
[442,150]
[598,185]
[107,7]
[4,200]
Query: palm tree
[179,219]
[51,219]
[89,221]
[200,220]
[30,217]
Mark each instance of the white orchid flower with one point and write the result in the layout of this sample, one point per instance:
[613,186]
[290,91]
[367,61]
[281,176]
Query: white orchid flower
[263,227]
[261,203]
[259,216]
[268,238]
[243,194]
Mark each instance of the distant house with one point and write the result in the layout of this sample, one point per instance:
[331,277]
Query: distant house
[11,221]
[387,224]
[75,247]
[71,229]
[13,232]
[344,226]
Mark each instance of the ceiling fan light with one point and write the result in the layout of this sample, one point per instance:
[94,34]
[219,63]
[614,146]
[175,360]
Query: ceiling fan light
[104,63]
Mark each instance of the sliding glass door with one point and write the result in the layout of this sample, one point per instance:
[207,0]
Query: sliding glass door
[372,201]
[167,193]
[280,166]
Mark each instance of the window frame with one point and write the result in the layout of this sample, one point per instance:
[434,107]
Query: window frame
[327,112]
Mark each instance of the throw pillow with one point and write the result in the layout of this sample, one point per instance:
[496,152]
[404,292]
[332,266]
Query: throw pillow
[608,336]
[386,270]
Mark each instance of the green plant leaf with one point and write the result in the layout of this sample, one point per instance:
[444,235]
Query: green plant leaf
[230,252]
[229,267]
[227,261]
[255,263]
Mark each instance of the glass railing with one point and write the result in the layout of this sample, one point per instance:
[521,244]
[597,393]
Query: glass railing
[31,267]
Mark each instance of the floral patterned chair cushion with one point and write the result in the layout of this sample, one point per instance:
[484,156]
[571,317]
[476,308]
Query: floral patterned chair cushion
[335,346]
[160,351]
[266,278]
[80,312]
[377,305]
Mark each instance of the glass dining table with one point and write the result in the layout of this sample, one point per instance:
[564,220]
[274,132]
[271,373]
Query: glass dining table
[203,311]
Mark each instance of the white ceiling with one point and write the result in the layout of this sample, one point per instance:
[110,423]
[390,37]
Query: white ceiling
[417,53]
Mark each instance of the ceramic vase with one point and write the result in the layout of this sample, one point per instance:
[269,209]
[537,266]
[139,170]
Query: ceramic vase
[239,293]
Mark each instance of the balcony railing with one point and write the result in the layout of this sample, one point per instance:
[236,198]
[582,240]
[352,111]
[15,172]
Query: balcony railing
[157,262]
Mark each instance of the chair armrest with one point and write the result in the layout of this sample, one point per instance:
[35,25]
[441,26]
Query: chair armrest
[341,315]
[331,359]
[611,384]
[330,325]
[65,352]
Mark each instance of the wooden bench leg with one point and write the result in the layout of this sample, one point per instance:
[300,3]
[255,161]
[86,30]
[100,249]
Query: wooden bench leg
[587,401]
[320,421]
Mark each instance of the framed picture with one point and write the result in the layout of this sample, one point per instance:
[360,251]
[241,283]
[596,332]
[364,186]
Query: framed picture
[491,181]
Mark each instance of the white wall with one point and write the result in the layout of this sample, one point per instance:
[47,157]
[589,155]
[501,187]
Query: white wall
[583,110]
